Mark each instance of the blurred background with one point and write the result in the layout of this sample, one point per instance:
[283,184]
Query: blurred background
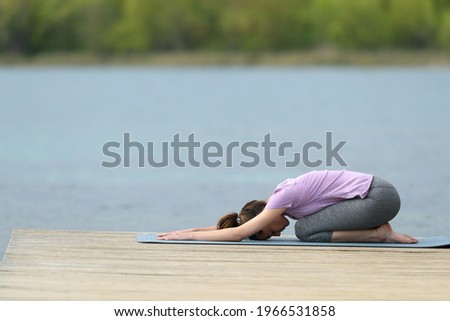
[76,74]
[108,27]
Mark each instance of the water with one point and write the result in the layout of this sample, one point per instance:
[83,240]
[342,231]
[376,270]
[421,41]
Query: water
[55,121]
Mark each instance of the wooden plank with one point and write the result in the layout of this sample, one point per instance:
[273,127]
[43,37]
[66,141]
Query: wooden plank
[87,265]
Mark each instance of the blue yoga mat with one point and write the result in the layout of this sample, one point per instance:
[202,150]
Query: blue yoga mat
[291,240]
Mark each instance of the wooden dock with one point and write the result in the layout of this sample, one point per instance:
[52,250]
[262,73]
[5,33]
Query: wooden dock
[86,265]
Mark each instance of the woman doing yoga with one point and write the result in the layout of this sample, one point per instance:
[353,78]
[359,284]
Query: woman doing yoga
[329,206]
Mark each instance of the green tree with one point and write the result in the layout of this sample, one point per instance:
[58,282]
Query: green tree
[165,25]
[444,31]
[37,26]
[357,24]
[16,23]
[411,23]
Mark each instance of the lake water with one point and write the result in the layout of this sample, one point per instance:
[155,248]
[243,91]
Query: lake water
[55,121]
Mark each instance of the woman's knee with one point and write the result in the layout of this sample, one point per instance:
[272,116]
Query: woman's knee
[300,230]
[316,237]
[305,234]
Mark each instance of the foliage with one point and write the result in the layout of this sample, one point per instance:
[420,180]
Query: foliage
[139,26]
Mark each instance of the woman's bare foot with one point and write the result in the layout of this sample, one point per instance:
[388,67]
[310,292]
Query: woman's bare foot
[388,235]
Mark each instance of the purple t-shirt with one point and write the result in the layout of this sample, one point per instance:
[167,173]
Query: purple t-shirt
[311,192]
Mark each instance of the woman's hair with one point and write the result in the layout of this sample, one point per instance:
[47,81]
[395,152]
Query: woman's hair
[249,211]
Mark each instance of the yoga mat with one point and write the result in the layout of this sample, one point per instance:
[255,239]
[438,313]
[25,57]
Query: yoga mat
[291,240]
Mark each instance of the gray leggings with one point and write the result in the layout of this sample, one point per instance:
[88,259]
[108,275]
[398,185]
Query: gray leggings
[380,206]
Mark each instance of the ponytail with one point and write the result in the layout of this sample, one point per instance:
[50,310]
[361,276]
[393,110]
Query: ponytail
[249,211]
[228,221]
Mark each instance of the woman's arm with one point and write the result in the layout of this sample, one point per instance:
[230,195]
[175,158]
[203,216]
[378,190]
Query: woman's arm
[202,229]
[230,234]
[195,229]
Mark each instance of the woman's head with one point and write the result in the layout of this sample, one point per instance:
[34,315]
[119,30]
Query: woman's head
[249,211]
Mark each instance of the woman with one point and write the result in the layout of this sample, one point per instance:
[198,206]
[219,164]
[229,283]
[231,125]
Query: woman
[329,206]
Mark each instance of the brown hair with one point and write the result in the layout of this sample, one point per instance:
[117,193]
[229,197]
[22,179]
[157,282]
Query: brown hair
[249,211]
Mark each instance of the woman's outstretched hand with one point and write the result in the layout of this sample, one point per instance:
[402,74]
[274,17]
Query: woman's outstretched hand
[184,234]
[176,235]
